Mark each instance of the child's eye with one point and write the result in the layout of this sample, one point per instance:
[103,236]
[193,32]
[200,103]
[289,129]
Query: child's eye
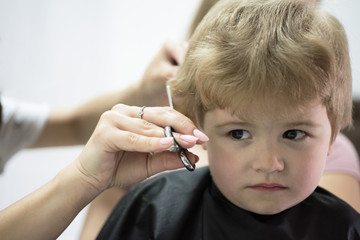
[294,134]
[239,134]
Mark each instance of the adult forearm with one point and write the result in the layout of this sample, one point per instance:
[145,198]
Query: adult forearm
[45,213]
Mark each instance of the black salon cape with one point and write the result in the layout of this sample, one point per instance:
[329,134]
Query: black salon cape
[187,205]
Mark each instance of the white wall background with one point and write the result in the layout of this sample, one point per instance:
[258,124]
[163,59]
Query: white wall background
[66,52]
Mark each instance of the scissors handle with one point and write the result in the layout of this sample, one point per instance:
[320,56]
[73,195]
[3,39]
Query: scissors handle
[180,150]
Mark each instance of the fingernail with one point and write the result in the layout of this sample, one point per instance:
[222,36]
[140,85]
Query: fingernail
[166,140]
[189,138]
[200,135]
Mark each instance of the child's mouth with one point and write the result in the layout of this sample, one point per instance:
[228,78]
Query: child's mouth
[268,187]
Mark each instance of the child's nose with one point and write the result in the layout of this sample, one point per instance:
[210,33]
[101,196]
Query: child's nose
[267,160]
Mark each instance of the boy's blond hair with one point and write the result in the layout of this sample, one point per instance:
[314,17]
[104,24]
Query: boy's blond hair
[247,49]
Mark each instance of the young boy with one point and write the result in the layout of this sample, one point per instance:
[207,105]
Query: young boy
[269,82]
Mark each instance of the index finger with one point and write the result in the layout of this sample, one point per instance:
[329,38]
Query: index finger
[164,116]
[167,116]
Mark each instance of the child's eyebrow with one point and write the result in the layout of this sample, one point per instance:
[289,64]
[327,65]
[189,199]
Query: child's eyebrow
[232,123]
[307,123]
[288,124]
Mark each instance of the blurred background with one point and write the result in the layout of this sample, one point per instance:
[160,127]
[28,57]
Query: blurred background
[66,52]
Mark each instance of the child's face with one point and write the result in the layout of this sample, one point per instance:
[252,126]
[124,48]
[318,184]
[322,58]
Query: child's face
[269,163]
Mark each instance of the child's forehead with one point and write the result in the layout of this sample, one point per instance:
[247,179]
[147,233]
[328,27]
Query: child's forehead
[272,108]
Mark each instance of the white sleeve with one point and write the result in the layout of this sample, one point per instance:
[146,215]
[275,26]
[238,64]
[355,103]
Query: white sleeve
[22,123]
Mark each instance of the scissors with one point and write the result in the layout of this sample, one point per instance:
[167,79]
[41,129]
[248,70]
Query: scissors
[176,147]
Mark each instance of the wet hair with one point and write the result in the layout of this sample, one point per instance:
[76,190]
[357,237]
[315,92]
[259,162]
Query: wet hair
[245,50]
